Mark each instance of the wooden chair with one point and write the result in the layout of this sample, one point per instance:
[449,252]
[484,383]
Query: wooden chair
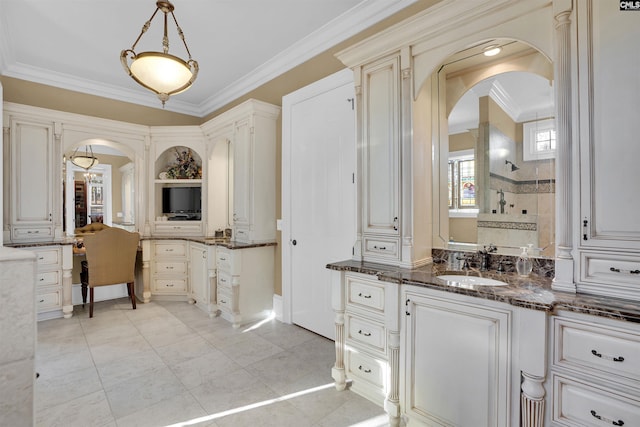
[111,260]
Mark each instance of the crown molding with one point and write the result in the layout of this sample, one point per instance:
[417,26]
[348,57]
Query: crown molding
[350,23]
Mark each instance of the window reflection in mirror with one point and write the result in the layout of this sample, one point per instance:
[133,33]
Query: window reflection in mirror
[501,148]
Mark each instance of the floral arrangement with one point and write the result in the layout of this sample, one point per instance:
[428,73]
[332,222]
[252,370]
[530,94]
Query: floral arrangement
[185,167]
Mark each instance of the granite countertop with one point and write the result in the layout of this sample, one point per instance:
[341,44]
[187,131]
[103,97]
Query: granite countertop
[532,292]
[219,241]
[64,241]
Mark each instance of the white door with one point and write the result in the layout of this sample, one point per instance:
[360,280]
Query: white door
[319,162]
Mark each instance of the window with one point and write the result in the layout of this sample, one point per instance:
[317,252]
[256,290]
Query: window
[462,183]
[539,140]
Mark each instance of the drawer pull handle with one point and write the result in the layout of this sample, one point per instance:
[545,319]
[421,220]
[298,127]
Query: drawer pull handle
[365,370]
[607,420]
[615,359]
[223,301]
[169,250]
[617,270]
[169,267]
[382,248]
[41,300]
[41,258]
[222,259]
[364,296]
[42,279]
[170,285]
[366,334]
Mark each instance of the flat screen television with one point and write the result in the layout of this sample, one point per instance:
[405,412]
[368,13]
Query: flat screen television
[182,202]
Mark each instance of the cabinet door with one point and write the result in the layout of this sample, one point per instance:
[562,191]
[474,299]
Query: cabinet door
[456,357]
[198,273]
[609,150]
[381,153]
[31,177]
[242,172]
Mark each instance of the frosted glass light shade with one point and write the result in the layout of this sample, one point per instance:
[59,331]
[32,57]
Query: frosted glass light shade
[85,162]
[161,72]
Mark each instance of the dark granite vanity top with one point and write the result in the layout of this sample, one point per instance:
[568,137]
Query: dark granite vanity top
[219,241]
[532,292]
[65,241]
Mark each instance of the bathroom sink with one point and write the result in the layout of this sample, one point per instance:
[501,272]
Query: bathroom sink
[460,280]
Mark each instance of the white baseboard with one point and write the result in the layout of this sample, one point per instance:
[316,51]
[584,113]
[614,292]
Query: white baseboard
[277,306]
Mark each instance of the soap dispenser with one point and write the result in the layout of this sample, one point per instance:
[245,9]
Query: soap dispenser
[524,264]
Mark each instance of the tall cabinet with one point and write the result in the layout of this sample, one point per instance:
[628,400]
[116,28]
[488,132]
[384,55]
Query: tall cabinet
[609,244]
[250,132]
[381,159]
[31,194]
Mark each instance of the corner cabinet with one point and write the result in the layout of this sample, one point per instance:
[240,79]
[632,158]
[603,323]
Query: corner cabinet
[178,193]
[250,130]
[609,244]
[380,118]
[31,172]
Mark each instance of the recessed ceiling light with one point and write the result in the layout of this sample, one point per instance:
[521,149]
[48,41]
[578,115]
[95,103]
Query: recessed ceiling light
[492,50]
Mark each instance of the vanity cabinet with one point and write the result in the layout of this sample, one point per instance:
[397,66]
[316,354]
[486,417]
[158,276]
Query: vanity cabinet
[595,374]
[202,276]
[370,315]
[609,243]
[250,130]
[245,279]
[53,281]
[30,166]
[169,272]
[380,159]
[456,360]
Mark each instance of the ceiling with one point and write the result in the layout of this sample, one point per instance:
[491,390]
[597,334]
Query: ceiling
[239,44]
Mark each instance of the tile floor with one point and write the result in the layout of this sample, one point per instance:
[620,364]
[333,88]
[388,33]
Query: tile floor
[169,364]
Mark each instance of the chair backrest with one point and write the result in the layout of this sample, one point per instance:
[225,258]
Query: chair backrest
[111,255]
[92,228]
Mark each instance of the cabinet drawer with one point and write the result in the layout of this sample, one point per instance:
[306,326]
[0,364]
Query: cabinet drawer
[610,268]
[387,248]
[169,267]
[32,233]
[48,257]
[365,294]
[224,300]
[49,298]
[224,281]
[48,278]
[581,405]
[603,349]
[228,261]
[242,235]
[364,367]
[170,285]
[367,332]
[170,249]
[178,228]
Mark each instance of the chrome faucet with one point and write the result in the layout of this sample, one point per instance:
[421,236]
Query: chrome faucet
[485,256]
[502,201]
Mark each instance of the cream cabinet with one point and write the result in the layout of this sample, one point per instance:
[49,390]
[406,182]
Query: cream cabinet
[250,131]
[53,281]
[595,374]
[380,174]
[31,172]
[202,276]
[169,268]
[609,243]
[457,360]
[367,339]
[245,279]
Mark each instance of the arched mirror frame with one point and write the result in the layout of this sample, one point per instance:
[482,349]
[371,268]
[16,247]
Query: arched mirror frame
[547,30]
[131,148]
[521,58]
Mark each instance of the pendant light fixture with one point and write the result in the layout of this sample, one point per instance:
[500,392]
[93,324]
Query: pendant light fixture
[85,161]
[160,72]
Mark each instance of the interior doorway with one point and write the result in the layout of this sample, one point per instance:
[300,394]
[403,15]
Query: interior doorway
[90,197]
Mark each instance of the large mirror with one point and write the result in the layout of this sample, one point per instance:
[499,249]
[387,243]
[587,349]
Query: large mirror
[104,192]
[497,143]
